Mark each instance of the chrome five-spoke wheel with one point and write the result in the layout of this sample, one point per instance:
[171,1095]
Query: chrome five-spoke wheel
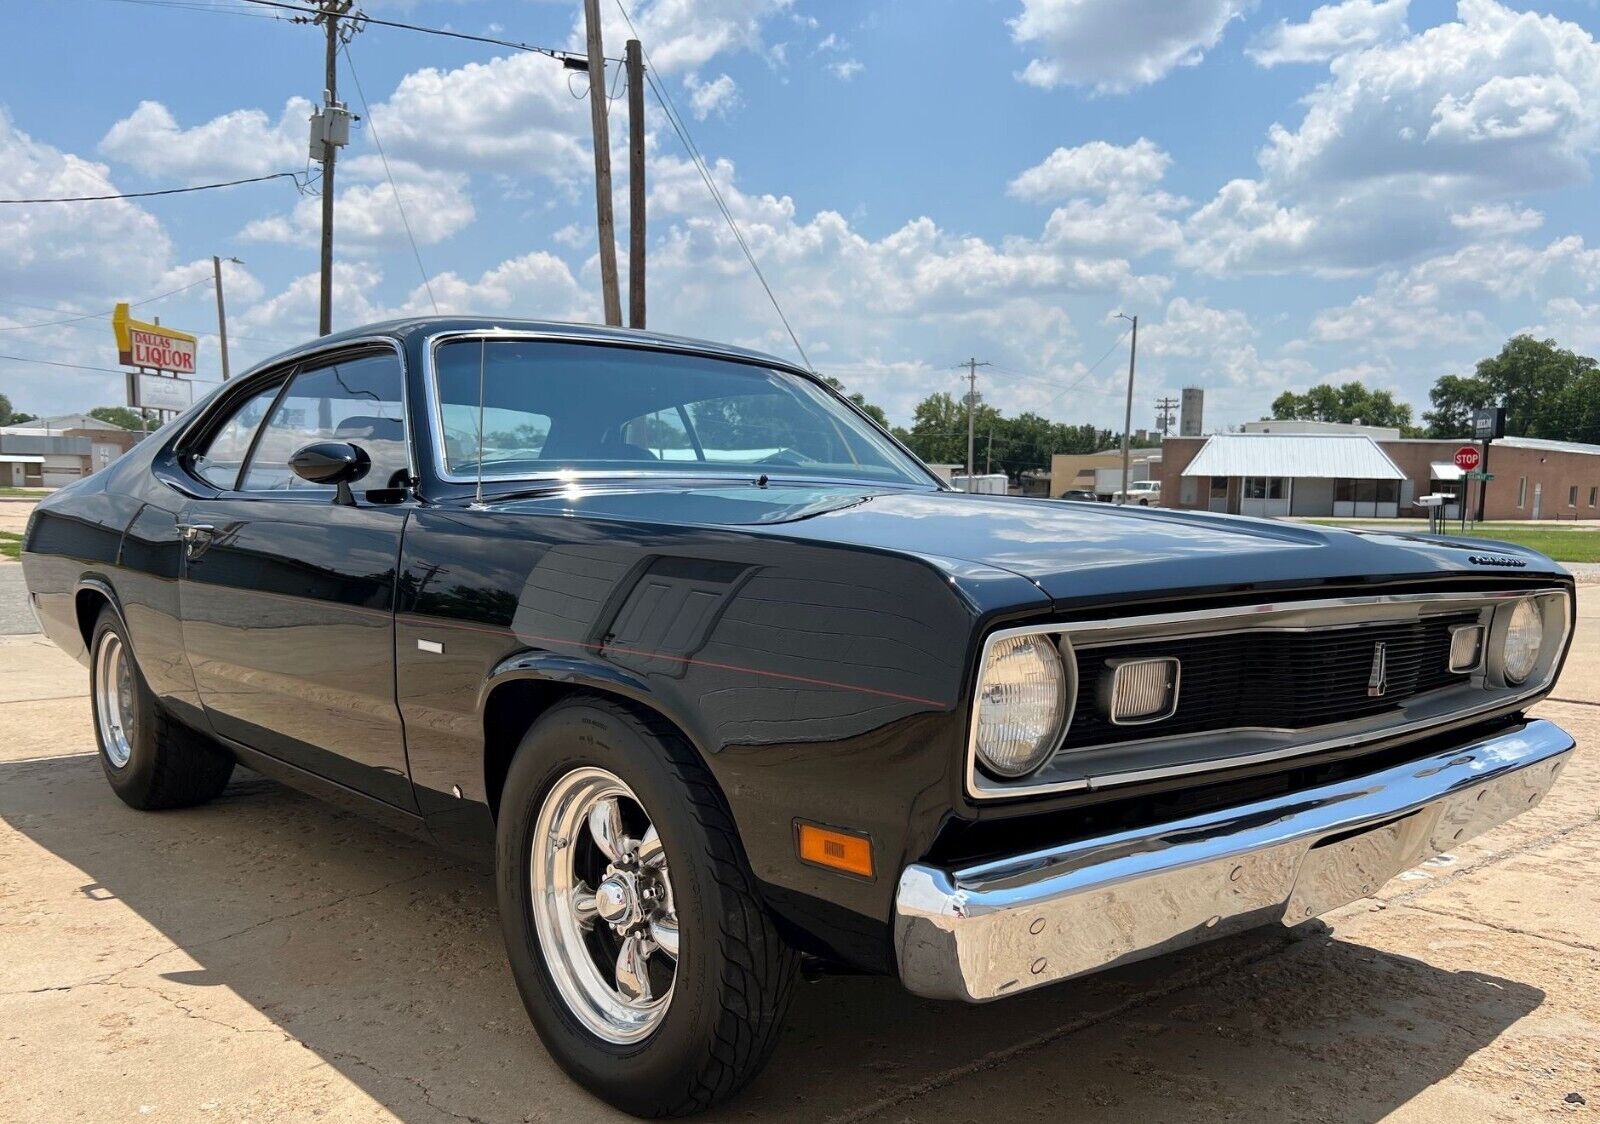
[603,906]
[113,699]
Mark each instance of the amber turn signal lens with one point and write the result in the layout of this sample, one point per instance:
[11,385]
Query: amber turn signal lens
[836,850]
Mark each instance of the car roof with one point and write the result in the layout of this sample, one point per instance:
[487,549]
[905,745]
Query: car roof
[408,328]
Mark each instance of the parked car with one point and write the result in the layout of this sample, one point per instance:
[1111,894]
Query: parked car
[721,678]
[1081,494]
[1141,492]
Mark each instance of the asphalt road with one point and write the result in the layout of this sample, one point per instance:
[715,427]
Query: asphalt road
[268,957]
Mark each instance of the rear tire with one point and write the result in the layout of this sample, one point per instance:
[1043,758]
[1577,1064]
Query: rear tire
[151,761]
[708,1019]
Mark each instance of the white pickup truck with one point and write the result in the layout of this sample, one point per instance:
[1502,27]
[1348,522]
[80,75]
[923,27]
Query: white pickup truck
[1142,492]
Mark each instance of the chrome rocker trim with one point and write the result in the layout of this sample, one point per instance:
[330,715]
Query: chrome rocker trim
[1006,926]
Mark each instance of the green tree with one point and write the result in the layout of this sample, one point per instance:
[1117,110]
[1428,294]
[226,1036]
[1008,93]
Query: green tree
[939,429]
[117,415]
[1349,403]
[872,411]
[1541,385]
[938,434]
[1454,398]
[1575,412]
[5,410]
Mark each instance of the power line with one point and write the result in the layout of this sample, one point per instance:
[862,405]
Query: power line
[670,109]
[84,367]
[1090,369]
[394,187]
[195,6]
[1165,416]
[57,363]
[304,15]
[163,191]
[95,315]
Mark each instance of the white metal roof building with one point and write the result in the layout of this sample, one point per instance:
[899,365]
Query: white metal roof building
[1361,476]
[1302,473]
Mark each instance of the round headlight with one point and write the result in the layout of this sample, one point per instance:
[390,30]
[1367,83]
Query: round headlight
[1022,698]
[1519,652]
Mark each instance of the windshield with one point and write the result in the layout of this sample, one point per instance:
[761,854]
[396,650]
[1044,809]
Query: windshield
[553,407]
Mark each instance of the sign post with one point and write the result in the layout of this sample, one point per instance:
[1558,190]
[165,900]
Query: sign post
[152,350]
[1487,424]
[1467,459]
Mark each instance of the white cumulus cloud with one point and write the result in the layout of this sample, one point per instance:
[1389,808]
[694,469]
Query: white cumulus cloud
[1117,45]
[719,96]
[244,142]
[1414,146]
[436,206]
[1096,168]
[1331,30]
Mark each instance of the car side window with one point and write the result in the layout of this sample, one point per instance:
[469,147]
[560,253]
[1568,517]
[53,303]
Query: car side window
[219,462]
[357,400]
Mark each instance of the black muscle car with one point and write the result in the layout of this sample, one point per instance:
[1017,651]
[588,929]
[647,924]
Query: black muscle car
[722,678]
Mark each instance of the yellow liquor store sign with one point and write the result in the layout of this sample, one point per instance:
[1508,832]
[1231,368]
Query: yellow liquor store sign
[152,346]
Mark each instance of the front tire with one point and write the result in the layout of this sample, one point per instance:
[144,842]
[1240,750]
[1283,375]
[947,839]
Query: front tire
[151,761]
[645,960]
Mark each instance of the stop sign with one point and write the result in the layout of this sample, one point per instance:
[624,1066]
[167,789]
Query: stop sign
[1467,458]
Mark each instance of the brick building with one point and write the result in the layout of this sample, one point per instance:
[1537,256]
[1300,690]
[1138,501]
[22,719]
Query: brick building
[1355,474]
[50,452]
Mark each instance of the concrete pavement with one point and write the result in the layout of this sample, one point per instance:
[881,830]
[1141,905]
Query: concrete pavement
[268,957]
[16,619]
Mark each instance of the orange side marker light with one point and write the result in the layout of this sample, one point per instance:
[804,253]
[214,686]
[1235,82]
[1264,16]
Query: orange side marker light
[837,850]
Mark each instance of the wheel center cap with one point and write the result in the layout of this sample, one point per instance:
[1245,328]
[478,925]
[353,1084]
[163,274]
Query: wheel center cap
[616,901]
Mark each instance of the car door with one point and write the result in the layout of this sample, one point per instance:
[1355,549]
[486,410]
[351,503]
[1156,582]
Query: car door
[287,596]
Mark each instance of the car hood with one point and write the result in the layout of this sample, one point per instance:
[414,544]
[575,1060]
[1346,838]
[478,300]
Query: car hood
[1073,552]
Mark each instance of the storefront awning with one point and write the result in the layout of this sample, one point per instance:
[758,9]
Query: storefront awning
[1444,470]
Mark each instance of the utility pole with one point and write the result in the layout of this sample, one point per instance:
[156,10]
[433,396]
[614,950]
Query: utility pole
[633,59]
[331,126]
[972,366]
[222,311]
[602,164]
[1127,416]
[1164,415]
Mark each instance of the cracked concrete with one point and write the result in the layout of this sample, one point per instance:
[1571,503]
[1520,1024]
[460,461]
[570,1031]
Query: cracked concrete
[268,957]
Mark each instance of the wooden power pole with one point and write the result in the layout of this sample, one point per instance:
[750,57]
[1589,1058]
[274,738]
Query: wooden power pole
[972,366]
[602,164]
[334,123]
[633,59]
[222,312]
[1127,416]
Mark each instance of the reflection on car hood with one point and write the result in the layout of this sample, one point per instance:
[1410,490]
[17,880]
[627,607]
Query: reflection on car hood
[1071,551]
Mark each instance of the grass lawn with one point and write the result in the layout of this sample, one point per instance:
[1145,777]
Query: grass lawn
[1564,544]
[26,493]
[10,546]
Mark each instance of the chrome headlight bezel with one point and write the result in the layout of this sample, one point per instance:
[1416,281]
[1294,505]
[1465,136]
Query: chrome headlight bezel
[998,647]
[1549,619]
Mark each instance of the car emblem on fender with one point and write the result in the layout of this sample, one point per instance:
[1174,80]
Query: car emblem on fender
[1378,679]
[1495,560]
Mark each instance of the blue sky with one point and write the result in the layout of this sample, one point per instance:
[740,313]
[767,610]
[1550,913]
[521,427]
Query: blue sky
[1285,193]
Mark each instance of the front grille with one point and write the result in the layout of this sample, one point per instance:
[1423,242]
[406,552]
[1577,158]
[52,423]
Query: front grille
[1283,680]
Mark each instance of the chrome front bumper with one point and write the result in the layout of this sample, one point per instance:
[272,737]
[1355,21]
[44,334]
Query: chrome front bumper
[1006,926]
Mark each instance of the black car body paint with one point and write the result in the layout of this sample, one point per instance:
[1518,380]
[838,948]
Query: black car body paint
[819,656]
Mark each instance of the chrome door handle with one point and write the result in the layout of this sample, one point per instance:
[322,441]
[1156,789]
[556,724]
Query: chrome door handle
[196,536]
